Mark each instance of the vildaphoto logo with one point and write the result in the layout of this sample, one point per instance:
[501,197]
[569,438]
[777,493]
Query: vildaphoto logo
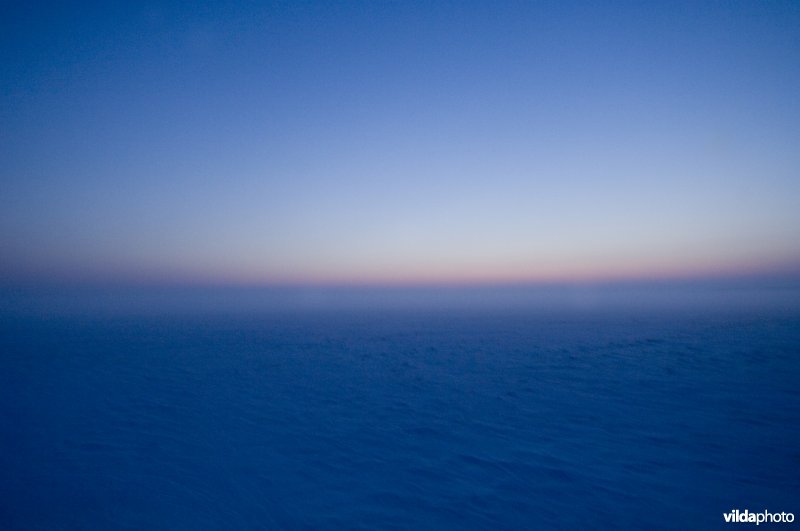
[746,517]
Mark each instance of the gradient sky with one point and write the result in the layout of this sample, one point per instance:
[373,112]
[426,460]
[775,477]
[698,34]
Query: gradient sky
[398,142]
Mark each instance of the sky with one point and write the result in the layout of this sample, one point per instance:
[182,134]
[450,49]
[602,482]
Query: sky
[398,142]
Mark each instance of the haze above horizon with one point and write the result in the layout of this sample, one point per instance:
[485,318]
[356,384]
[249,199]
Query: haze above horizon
[409,143]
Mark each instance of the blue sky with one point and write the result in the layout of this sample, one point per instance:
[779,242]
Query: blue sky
[322,142]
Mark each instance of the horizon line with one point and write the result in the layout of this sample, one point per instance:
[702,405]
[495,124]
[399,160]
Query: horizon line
[791,276]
